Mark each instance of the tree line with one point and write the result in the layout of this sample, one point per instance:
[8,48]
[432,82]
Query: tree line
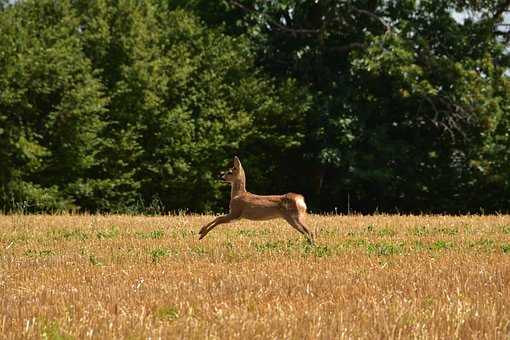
[135,106]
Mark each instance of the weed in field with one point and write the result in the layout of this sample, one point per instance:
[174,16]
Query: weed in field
[247,232]
[506,248]
[269,246]
[95,261]
[229,245]
[419,246]
[321,251]
[353,243]
[155,234]
[428,302]
[332,232]
[383,249]
[68,234]
[419,231]
[371,228]
[113,232]
[182,234]
[506,229]
[198,250]
[446,231]
[51,331]
[40,253]
[386,232]
[168,313]
[484,244]
[440,245]
[19,237]
[158,253]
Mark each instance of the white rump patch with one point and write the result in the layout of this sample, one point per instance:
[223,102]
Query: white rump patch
[300,202]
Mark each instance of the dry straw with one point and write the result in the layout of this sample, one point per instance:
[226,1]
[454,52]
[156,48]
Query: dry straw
[368,277]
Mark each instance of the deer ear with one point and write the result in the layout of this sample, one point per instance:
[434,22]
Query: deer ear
[237,162]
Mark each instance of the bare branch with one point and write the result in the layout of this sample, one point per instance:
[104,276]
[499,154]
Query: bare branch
[303,31]
[349,47]
[502,8]
[276,24]
[372,15]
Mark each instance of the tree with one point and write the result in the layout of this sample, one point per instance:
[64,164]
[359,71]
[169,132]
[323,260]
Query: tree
[402,96]
[51,106]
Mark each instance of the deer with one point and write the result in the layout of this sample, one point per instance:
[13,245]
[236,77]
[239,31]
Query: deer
[243,204]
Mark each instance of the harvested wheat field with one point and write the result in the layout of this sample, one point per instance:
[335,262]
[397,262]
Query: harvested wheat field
[149,277]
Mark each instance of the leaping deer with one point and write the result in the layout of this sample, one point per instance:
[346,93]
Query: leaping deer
[244,204]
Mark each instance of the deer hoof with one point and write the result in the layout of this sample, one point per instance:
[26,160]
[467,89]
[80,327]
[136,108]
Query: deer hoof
[201,233]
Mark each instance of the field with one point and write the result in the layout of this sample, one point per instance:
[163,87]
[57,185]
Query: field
[112,276]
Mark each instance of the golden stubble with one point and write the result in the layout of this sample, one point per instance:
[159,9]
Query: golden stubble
[382,276]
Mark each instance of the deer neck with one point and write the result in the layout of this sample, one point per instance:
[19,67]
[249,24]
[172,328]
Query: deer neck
[238,187]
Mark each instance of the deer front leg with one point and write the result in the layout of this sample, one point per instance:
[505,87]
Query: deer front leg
[211,225]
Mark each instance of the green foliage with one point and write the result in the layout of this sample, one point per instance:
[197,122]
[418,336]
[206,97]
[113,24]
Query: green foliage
[133,107]
[51,106]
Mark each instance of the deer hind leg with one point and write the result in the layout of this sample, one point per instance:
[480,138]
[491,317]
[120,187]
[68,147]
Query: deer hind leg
[300,220]
[211,225]
[295,222]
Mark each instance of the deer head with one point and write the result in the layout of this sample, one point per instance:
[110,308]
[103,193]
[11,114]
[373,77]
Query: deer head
[234,174]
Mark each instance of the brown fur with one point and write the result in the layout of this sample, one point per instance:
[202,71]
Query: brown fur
[244,204]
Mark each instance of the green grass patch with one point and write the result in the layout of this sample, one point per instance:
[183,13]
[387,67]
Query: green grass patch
[302,246]
[158,254]
[420,231]
[441,245]
[154,235]
[198,251]
[483,244]
[505,248]
[182,234]
[39,253]
[370,228]
[110,233]
[386,232]
[68,234]
[446,231]
[19,237]
[95,261]
[385,249]
[317,250]
[51,331]
[419,246]
[252,232]
[269,246]
[168,313]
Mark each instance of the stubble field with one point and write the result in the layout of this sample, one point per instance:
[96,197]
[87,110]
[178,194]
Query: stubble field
[81,276]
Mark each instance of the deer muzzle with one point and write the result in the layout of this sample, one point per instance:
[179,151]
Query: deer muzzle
[222,175]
